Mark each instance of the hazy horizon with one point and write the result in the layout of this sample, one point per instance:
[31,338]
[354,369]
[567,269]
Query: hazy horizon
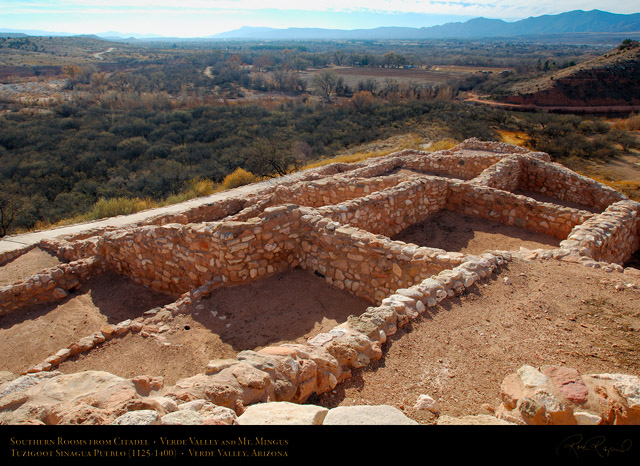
[201,18]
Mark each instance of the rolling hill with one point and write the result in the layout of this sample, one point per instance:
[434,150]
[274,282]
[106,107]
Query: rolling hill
[609,80]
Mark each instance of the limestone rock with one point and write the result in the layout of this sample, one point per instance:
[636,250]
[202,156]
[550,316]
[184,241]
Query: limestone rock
[143,417]
[561,396]
[146,383]
[6,376]
[367,415]
[587,419]
[531,377]
[168,404]
[184,417]
[477,420]
[26,381]
[282,413]
[90,397]
[425,402]
[219,415]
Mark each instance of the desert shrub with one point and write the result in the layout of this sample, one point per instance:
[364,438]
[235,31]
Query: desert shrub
[239,177]
[119,206]
[444,144]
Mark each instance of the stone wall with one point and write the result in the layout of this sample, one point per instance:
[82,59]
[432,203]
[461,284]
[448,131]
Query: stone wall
[554,180]
[8,256]
[340,229]
[176,258]
[612,236]
[367,265]
[450,164]
[390,211]
[49,285]
[516,210]
[504,175]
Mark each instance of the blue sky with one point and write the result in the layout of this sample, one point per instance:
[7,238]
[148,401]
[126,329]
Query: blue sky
[197,18]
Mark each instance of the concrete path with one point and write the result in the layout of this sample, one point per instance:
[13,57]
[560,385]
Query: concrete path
[13,242]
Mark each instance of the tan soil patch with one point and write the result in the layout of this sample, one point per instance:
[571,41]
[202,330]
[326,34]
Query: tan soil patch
[174,354]
[290,307]
[29,336]
[459,352]
[455,232]
[26,265]
[353,76]
[624,167]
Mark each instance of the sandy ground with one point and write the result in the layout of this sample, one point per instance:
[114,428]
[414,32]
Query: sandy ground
[457,352]
[460,351]
[26,265]
[455,232]
[289,307]
[29,336]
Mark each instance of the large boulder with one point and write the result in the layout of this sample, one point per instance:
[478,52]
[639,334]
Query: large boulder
[90,397]
[557,395]
[367,415]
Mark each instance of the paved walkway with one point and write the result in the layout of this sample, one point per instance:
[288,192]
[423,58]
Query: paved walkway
[13,242]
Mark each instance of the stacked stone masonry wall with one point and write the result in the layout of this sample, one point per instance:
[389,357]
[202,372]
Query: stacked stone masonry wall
[512,209]
[370,266]
[557,181]
[612,236]
[390,211]
[176,258]
[504,175]
[8,256]
[48,285]
[339,228]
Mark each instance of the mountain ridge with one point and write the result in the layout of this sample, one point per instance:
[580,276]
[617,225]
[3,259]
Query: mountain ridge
[577,21]
[571,22]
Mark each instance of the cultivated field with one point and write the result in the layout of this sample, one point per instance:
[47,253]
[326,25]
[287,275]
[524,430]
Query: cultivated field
[352,76]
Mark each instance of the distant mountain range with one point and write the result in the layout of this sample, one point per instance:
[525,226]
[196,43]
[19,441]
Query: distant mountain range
[572,22]
[577,21]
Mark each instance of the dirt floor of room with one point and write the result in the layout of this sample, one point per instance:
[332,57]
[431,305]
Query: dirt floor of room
[32,334]
[26,265]
[290,307]
[455,232]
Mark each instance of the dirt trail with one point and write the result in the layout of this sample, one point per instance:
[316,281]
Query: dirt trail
[99,54]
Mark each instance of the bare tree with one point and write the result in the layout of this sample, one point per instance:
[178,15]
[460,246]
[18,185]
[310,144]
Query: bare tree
[325,83]
[267,158]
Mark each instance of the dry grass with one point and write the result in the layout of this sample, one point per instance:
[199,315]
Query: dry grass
[239,177]
[631,123]
[513,137]
[623,179]
[385,147]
